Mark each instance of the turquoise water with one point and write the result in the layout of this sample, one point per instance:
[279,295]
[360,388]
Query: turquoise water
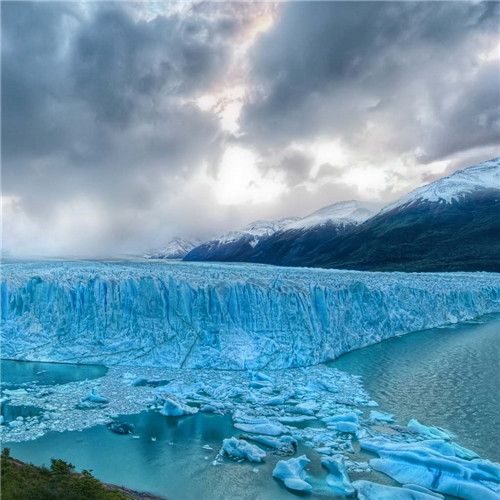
[447,377]
[17,373]
[174,466]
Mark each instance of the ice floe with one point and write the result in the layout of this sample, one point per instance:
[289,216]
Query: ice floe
[292,473]
[239,448]
[436,465]
[337,478]
[367,490]
[173,408]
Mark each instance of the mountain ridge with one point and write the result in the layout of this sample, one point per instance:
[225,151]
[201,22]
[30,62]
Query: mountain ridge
[451,224]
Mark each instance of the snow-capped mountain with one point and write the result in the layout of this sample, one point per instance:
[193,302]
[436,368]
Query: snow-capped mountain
[177,248]
[454,188]
[254,231]
[450,224]
[342,213]
[239,245]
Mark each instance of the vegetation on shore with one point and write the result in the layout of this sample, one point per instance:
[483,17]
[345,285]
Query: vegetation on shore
[59,482]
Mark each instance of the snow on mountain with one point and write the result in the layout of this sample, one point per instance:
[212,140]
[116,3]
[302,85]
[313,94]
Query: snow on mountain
[175,249]
[219,316]
[450,189]
[342,213]
[254,231]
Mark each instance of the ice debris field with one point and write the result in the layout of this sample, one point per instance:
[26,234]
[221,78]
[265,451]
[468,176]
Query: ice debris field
[272,411]
[222,316]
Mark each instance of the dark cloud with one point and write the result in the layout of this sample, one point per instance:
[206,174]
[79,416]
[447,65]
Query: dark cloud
[98,104]
[376,75]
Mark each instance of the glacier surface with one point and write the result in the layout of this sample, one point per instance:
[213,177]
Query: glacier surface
[223,316]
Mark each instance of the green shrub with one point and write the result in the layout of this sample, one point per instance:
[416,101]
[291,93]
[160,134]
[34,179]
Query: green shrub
[60,482]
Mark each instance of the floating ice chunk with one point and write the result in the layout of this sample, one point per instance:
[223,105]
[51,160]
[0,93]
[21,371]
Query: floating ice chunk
[347,417]
[292,473]
[140,382]
[462,452]
[320,386]
[94,396]
[121,428]
[260,384]
[268,428]
[372,491]
[207,447]
[212,407]
[435,464]
[346,427]
[430,432]
[381,416]
[337,479]
[421,489]
[262,377]
[294,420]
[238,448]
[306,408]
[174,408]
[446,448]
[179,389]
[284,445]
[276,400]
[371,404]
[258,425]
[44,393]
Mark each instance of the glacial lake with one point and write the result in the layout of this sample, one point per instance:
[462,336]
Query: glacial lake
[446,376]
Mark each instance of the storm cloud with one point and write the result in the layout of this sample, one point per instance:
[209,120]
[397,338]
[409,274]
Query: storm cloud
[124,125]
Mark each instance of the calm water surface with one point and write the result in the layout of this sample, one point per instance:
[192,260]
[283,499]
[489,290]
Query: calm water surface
[449,377]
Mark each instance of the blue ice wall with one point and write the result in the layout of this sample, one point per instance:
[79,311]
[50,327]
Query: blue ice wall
[224,316]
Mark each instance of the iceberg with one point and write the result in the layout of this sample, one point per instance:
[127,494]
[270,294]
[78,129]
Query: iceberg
[373,491]
[381,416]
[174,408]
[428,432]
[94,397]
[436,465]
[222,316]
[263,426]
[285,445]
[238,448]
[121,428]
[292,473]
[338,478]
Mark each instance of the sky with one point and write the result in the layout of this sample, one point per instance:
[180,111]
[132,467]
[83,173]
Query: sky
[126,124]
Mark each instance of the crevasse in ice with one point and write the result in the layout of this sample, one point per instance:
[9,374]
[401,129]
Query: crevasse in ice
[224,316]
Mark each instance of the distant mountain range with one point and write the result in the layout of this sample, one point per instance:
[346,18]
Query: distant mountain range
[177,248]
[452,224]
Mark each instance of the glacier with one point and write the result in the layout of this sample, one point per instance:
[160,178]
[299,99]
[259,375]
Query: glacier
[221,316]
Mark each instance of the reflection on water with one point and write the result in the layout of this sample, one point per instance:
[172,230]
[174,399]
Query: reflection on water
[449,377]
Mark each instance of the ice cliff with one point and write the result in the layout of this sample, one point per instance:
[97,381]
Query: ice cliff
[224,316]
